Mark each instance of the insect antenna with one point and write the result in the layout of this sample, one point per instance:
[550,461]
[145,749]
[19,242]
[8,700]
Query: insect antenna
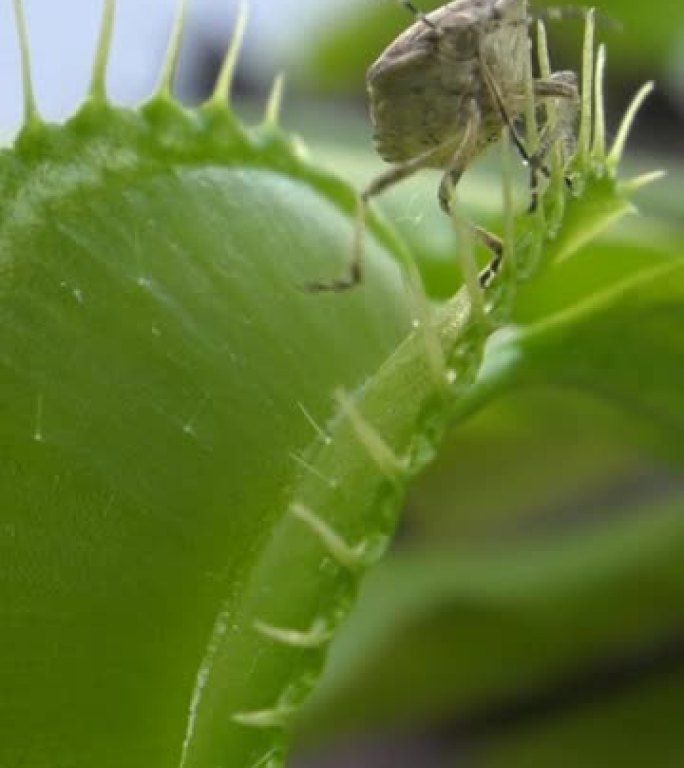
[420,15]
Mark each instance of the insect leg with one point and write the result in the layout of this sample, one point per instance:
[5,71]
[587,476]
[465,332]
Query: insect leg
[497,98]
[450,179]
[535,162]
[382,182]
[459,160]
[562,86]
[412,8]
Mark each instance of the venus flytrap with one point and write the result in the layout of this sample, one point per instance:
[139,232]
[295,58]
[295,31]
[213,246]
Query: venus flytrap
[194,483]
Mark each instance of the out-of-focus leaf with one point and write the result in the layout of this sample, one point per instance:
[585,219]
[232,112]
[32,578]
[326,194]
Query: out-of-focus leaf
[539,464]
[340,56]
[439,636]
[640,726]
[623,345]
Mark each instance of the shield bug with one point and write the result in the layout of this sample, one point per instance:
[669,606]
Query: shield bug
[442,92]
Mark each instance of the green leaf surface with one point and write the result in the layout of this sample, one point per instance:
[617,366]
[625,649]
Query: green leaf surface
[161,371]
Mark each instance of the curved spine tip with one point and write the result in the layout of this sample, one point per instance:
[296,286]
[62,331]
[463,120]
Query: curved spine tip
[317,636]
[586,110]
[618,147]
[98,83]
[530,117]
[275,102]
[224,82]
[170,66]
[638,182]
[466,257]
[543,50]
[31,114]
[348,556]
[381,454]
[277,717]
[509,255]
[599,140]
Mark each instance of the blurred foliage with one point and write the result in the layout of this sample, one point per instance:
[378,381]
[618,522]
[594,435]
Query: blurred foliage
[640,727]
[446,635]
[644,38]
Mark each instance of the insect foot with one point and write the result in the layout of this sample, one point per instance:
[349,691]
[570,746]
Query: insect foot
[441,93]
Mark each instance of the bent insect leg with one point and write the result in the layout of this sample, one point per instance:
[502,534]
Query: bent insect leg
[535,162]
[450,179]
[417,13]
[559,86]
[381,183]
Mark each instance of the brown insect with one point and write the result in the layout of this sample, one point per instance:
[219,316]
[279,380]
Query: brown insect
[442,92]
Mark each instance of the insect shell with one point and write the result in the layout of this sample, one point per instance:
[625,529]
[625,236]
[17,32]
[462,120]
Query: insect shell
[443,91]
[422,84]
